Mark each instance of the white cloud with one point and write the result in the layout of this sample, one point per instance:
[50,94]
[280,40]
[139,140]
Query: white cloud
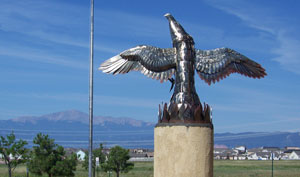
[288,52]
[61,23]
[264,19]
[42,57]
[48,21]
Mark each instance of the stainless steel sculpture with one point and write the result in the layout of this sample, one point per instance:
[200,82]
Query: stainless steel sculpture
[182,60]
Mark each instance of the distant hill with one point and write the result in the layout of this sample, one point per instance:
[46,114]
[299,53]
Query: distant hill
[70,129]
[73,120]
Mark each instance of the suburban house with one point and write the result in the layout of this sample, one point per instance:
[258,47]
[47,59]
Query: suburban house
[141,155]
[224,154]
[286,155]
[134,157]
[263,155]
[292,148]
[252,156]
[16,156]
[150,154]
[138,151]
[295,155]
[240,157]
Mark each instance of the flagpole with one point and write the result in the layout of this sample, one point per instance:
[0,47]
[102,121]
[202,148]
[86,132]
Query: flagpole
[91,89]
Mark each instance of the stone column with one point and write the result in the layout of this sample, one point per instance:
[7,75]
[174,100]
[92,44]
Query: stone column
[183,150]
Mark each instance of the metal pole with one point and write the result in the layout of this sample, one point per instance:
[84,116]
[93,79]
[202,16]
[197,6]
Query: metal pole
[27,172]
[91,89]
[272,162]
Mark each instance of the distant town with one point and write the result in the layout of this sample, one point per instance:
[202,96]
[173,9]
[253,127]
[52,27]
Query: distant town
[236,153]
[262,153]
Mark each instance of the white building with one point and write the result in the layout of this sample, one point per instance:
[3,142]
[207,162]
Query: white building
[252,156]
[241,148]
[80,155]
[295,155]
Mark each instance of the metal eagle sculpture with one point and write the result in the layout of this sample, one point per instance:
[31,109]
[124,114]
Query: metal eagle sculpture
[182,60]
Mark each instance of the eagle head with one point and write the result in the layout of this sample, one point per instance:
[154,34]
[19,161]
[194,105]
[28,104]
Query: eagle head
[178,34]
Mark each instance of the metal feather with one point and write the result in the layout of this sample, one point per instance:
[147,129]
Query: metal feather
[151,61]
[220,60]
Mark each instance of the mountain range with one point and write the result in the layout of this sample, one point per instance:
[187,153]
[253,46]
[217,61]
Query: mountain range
[71,129]
[74,120]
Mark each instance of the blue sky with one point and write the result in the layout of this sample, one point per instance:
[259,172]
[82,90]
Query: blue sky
[44,54]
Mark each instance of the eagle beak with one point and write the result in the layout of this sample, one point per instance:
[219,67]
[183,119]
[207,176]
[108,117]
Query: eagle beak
[167,15]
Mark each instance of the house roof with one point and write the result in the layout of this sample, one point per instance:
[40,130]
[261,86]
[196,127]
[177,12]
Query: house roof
[255,150]
[263,154]
[270,148]
[292,147]
[241,146]
[297,152]
[222,154]
[291,150]
[137,155]
[150,154]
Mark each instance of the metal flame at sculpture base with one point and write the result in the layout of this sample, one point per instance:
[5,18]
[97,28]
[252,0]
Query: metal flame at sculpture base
[183,147]
[198,114]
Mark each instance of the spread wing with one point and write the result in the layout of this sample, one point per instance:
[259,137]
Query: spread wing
[153,62]
[214,65]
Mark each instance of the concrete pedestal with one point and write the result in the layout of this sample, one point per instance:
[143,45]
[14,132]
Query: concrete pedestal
[183,150]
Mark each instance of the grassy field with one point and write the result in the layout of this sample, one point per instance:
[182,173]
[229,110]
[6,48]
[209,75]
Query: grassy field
[222,168]
[247,168]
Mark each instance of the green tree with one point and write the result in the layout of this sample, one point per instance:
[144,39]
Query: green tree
[50,158]
[96,153]
[117,161]
[13,152]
